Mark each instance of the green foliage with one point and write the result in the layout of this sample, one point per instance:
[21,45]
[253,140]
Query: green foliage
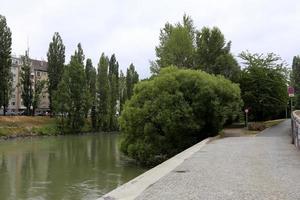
[39,85]
[173,111]
[213,54]
[5,63]
[183,46]
[103,93]
[122,90]
[132,78]
[296,80]
[26,82]
[71,96]
[113,78]
[91,77]
[176,44]
[263,84]
[56,60]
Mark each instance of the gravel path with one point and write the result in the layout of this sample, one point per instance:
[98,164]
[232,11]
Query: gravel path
[241,168]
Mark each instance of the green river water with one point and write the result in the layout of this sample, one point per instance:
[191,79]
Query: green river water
[63,167]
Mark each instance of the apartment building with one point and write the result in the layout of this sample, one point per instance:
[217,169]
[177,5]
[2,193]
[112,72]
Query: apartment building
[38,72]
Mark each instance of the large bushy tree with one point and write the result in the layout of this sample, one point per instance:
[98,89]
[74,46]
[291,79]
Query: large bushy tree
[56,61]
[175,110]
[263,84]
[5,64]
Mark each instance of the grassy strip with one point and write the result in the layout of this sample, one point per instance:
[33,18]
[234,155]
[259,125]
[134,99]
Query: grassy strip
[14,126]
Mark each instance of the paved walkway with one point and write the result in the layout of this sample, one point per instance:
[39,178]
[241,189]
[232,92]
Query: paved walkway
[241,168]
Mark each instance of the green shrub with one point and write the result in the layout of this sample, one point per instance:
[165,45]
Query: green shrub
[175,110]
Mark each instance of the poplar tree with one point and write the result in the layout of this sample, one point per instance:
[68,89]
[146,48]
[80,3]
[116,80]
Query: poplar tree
[26,83]
[5,64]
[103,93]
[132,78]
[113,77]
[122,90]
[90,74]
[73,89]
[56,60]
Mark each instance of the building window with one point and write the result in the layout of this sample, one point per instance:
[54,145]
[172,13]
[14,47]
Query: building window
[38,73]
[13,96]
[13,103]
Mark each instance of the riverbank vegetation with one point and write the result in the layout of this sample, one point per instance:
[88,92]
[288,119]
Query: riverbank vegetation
[204,88]
[18,126]
[174,110]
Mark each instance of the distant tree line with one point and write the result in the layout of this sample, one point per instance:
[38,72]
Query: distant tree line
[82,95]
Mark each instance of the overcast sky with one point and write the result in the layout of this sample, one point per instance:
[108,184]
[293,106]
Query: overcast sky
[130,28]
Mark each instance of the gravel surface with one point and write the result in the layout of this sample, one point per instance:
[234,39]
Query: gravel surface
[263,167]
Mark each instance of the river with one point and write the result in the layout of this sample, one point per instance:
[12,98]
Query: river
[64,167]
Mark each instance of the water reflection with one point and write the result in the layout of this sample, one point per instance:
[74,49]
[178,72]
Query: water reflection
[65,167]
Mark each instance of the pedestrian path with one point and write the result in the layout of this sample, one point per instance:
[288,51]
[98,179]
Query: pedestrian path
[263,167]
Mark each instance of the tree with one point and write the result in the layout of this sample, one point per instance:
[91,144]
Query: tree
[176,45]
[26,83]
[73,89]
[5,64]
[263,84]
[56,60]
[296,80]
[174,110]
[132,78]
[103,93]
[90,73]
[213,54]
[183,46]
[113,77]
[39,85]
[61,100]
[122,90]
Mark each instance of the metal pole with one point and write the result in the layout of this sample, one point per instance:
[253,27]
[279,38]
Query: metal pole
[291,105]
[246,119]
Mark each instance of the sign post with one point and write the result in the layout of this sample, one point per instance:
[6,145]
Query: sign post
[246,121]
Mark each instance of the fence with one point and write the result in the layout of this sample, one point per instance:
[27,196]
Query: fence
[295,122]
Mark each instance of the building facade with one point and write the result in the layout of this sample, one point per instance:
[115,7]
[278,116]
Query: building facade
[38,72]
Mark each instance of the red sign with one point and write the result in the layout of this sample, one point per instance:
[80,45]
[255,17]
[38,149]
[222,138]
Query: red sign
[291,91]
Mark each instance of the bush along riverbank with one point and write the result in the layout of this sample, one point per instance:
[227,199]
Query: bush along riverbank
[174,110]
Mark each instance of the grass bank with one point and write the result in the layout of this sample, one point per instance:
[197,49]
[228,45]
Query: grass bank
[252,129]
[18,126]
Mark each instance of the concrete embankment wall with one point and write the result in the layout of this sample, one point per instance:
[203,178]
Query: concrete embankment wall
[136,186]
[295,122]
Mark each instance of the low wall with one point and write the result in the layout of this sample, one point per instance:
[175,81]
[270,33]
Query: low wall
[135,187]
[295,122]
